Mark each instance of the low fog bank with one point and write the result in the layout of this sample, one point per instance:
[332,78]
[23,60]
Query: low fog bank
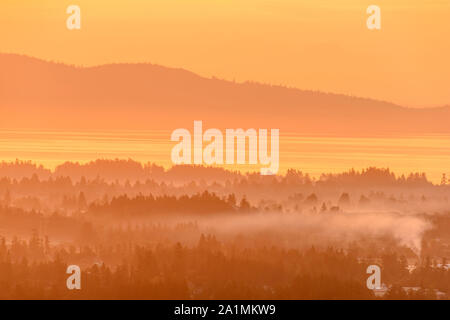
[298,230]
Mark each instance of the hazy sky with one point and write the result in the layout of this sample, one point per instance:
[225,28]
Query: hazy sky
[317,44]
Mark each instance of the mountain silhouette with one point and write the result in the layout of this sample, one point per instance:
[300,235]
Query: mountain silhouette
[46,95]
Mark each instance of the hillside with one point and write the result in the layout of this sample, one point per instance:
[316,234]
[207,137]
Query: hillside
[44,95]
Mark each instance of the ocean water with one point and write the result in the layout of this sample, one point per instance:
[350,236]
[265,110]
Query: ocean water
[311,154]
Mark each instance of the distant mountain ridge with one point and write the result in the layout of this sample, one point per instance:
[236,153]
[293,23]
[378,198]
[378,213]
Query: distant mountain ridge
[45,95]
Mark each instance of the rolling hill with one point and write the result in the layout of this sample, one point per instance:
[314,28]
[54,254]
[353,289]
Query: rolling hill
[36,94]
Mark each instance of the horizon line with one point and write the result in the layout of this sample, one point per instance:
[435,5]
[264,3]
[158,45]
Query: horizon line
[145,164]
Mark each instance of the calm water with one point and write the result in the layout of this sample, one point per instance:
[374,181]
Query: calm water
[315,155]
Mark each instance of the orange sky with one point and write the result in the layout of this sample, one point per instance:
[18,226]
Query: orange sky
[320,45]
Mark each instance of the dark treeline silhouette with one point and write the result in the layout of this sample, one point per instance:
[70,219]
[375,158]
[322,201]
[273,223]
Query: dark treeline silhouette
[207,269]
[20,169]
[197,204]
[116,170]
[374,177]
[145,232]
[155,260]
[28,186]
[129,170]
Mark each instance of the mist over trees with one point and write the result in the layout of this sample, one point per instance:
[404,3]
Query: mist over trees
[142,231]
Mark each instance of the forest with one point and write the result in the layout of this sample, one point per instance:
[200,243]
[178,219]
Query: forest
[154,235]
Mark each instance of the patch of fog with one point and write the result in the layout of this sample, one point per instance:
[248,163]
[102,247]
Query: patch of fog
[325,228]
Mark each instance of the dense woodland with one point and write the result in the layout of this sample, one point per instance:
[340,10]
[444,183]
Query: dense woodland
[229,236]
